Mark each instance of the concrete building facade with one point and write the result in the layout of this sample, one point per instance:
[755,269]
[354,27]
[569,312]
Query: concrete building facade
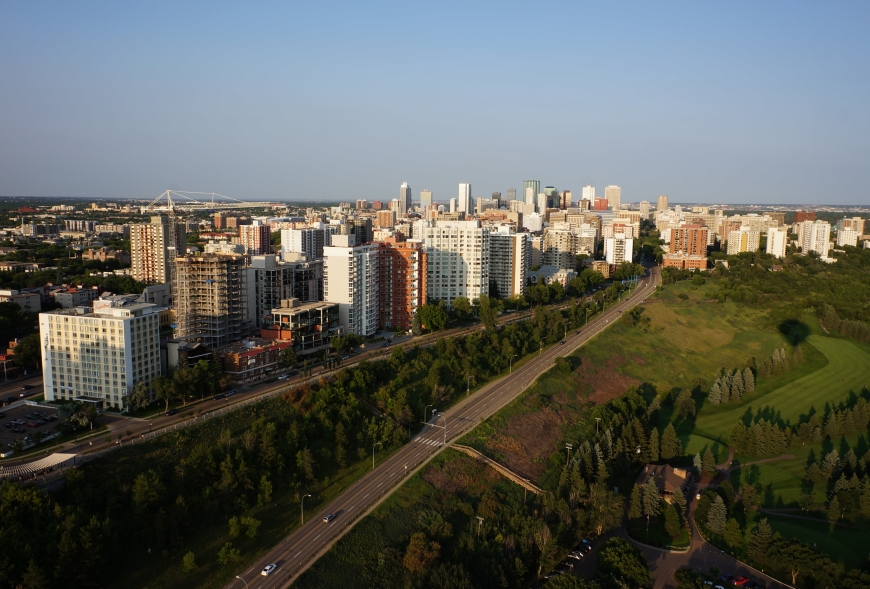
[153,245]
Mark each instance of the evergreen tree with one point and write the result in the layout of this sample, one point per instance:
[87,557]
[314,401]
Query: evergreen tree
[715,396]
[651,498]
[717,515]
[737,385]
[834,510]
[678,500]
[748,380]
[798,356]
[635,510]
[830,465]
[672,521]
[760,542]
[698,464]
[654,445]
[733,535]
[708,461]
[670,446]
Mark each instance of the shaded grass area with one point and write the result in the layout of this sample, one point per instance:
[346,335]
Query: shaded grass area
[656,535]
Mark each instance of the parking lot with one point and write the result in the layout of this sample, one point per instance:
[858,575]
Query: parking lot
[30,425]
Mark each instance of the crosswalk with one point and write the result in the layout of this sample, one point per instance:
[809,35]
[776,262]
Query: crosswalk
[428,442]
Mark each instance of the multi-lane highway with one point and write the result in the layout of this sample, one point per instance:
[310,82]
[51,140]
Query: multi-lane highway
[301,548]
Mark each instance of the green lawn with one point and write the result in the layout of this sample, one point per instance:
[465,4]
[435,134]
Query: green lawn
[847,371]
[846,546]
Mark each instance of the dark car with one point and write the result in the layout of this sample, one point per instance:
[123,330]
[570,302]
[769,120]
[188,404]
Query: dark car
[18,430]
[328,518]
[219,396]
[229,393]
[172,412]
[27,387]
[8,425]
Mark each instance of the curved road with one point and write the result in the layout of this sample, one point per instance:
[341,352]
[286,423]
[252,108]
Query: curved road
[301,548]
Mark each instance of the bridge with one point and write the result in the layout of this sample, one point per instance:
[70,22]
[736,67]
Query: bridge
[183,200]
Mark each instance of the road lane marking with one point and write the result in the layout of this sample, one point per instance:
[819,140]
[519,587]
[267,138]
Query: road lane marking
[318,536]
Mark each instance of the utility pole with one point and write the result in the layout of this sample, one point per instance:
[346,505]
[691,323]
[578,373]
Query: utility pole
[568,447]
[479,524]
[597,419]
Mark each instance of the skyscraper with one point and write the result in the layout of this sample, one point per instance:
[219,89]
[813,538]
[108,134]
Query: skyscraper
[464,199]
[351,280]
[613,195]
[589,193]
[153,246]
[662,204]
[535,186]
[644,209]
[404,198]
[457,260]
[777,239]
[511,194]
[425,200]
[256,239]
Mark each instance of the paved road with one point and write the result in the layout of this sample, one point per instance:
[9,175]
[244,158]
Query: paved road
[301,548]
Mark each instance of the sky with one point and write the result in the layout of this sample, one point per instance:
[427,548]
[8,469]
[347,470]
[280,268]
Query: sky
[720,102]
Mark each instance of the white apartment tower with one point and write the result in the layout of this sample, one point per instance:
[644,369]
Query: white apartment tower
[457,260]
[814,236]
[613,194]
[350,278]
[153,246]
[425,200]
[847,237]
[618,249]
[464,199]
[589,193]
[308,241]
[743,240]
[98,354]
[662,204]
[644,209]
[777,239]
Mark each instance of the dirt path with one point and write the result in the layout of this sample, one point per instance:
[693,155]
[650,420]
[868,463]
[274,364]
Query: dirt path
[745,464]
[780,513]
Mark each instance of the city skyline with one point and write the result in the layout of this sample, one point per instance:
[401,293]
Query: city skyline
[720,104]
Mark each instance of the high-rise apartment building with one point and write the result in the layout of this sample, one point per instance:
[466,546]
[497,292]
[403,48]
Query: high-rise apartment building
[98,354]
[742,240]
[386,218]
[814,236]
[211,299]
[589,193]
[509,255]
[777,239]
[425,199]
[613,194]
[662,204]
[256,239]
[644,209]
[350,278]
[152,247]
[402,282]
[453,205]
[856,224]
[689,239]
[404,198]
[618,249]
[362,230]
[464,199]
[560,249]
[565,199]
[308,241]
[511,194]
[847,237]
[268,282]
[801,216]
[587,238]
[457,260]
[535,186]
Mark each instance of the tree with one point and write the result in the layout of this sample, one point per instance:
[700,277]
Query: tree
[698,463]
[604,508]
[635,509]
[27,352]
[834,511]
[807,501]
[749,496]
[287,358]
[164,389]
[462,308]
[433,317]
[715,396]
[708,461]
[654,445]
[651,499]
[733,535]
[760,542]
[671,445]
[147,490]
[685,404]
[717,516]
[138,397]
[748,380]
[623,562]
[188,563]
[679,501]
[672,521]
[489,310]
[228,555]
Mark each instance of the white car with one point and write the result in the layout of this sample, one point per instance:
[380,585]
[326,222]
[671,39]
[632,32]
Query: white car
[270,568]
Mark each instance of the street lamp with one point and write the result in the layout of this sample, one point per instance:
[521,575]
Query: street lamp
[302,509]
[243,581]
[541,349]
[424,413]
[373,454]
[468,385]
[441,415]
[511,364]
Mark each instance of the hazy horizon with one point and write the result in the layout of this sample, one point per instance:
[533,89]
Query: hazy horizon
[704,103]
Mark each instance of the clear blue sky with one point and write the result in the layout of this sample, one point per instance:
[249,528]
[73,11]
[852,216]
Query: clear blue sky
[703,101]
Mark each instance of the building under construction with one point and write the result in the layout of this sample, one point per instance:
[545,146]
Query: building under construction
[210,298]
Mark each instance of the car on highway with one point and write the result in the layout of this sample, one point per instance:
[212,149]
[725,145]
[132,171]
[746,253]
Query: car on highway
[229,393]
[172,412]
[577,332]
[27,387]
[562,342]
[218,397]
[268,569]
[328,518]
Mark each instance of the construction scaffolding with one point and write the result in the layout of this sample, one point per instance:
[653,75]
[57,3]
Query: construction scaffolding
[210,298]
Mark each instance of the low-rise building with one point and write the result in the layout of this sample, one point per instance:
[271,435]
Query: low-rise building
[251,359]
[309,327]
[666,478]
[28,301]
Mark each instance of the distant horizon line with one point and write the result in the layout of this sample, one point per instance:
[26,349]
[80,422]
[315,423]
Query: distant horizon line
[314,201]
